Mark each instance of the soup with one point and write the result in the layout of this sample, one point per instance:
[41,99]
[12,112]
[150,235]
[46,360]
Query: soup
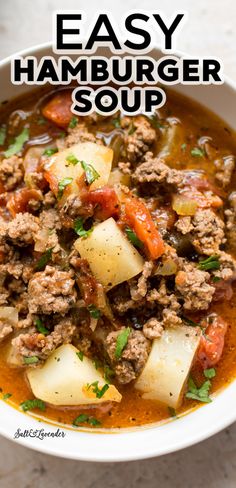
[117,261]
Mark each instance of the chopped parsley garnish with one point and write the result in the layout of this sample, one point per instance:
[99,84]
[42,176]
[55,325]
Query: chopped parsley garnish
[40,327]
[30,359]
[215,279]
[197,152]
[41,121]
[90,172]
[50,151]
[83,418]
[79,228]
[73,123]
[172,412]
[31,404]
[6,396]
[190,322]
[18,144]
[62,185]
[183,147]
[108,373]
[121,341]
[80,355]
[155,122]
[45,258]
[210,263]
[3,131]
[97,363]
[94,311]
[133,238]
[209,373]
[99,392]
[71,159]
[201,394]
[132,129]
[116,122]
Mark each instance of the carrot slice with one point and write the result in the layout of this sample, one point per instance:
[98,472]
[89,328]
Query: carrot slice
[58,109]
[139,218]
[212,342]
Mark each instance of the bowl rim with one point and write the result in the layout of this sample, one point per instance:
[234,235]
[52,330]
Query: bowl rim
[106,453]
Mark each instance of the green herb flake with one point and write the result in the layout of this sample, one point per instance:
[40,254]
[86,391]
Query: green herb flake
[18,144]
[172,412]
[6,396]
[209,373]
[99,392]
[50,151]
[155,122]
[183,147]
[30,359]
[94,311]
[73,123]
[3,132]
[40,327]
[201,394]
[83,418]
[31,404]
[79,228]
[121,341]
[132,129]
[71,159]
[108,373]
[215,279]
[41,121]
[210,263]
[116,122]
[62,185]
[90,172]
[80,355]
[190,322]
[133,238]
[45,258]
[97,363]
[197,152]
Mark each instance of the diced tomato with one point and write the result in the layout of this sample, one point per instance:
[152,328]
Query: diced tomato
[105,201]
[87,283]
[18,201]
[223,291]
[139,218]
[212,341]
[203,184]
[58,109]
[52,180]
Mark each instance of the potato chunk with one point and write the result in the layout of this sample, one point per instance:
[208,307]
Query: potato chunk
[59,167]
[64,380]
[112,258]
[166,371]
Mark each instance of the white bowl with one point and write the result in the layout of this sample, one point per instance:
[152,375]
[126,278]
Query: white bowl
[153,440]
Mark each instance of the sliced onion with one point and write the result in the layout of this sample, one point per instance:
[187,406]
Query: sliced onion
[167,268]
[117,177]
[93,323]
[41,240]
[103,304]
[184,205]
[9,315]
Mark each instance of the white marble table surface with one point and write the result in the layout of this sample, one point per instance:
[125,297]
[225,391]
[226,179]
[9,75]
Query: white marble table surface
[210,31]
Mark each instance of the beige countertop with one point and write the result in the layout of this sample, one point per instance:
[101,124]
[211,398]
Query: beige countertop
[210,30]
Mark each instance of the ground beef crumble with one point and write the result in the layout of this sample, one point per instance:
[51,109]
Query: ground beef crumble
[11,172]
[51,291]
[133,357]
